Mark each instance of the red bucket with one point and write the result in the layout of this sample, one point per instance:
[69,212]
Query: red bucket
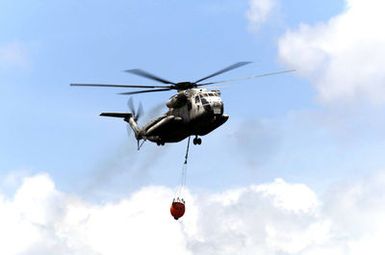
[177,209]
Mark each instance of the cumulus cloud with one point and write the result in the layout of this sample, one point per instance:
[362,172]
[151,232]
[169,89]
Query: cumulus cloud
[259,11]
[271,218]
[13,54]
[39,219]
[344,57]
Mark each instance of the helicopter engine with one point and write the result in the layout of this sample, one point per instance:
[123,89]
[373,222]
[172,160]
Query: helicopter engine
[177,100]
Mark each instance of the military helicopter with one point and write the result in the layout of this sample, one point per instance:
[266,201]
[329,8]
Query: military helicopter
[192,111]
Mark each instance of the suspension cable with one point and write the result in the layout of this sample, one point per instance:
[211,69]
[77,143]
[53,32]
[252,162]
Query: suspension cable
[184,169]
[187,150]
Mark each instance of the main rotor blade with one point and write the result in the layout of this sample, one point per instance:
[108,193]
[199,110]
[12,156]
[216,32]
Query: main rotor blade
[229,68]
[248,78]
[116,85]
[143,91]
[148,75]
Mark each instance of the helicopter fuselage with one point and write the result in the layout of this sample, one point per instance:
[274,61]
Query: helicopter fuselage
[192,112]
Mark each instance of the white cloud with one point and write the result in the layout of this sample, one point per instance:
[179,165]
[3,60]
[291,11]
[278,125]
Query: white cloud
[13,54]
[271,218]
[259,11]
[343,57]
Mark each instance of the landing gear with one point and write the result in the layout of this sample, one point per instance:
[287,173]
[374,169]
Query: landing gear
[197,140]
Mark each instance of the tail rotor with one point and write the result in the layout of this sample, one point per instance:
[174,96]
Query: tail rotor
[136,113]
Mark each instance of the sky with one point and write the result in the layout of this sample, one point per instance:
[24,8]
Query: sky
[297,169]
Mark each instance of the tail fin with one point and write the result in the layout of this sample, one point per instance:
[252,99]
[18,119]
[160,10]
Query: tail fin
[127,117]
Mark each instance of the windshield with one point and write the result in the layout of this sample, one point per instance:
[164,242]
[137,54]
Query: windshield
[203,99]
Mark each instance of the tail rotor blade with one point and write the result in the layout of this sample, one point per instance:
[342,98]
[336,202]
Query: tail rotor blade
[140,110]
[131,107]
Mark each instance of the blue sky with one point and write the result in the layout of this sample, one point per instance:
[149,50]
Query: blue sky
[57,128]
[313,130]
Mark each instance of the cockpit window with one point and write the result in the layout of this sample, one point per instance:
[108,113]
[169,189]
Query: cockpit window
[204,101]
[197,99]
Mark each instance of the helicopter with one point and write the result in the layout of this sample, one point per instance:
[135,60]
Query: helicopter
[193,111]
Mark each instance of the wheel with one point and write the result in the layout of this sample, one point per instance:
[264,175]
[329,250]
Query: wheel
[197,141]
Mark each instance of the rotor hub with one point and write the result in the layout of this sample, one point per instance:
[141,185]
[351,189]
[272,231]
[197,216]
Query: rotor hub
[185,85]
